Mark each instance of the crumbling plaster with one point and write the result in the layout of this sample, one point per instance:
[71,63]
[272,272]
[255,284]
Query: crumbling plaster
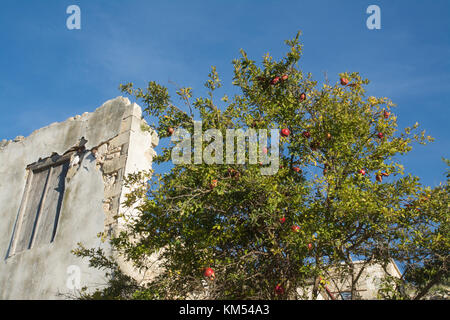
[114,146]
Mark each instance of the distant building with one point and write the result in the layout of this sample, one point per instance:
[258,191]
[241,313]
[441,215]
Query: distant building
[339,288]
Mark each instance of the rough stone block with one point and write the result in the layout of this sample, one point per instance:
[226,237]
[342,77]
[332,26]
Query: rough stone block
[113,190]
[115,204]
[155,139]
[120,140]
[4,143]
[124,149]
[102,149]
[114,164]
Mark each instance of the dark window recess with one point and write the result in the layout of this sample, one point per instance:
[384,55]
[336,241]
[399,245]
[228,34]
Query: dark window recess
[41,203]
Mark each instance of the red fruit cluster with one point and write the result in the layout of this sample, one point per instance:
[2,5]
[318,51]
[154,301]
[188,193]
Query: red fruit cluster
[275,80]
[302,97]
[213,184]
[295,228]
[209,273]
[306,134]
[234,173]
[285,132]
[344,81]
[380,135]
[386,114]
[279,289]
[283,219]
[296,169]
[362,171]
[170,131]
[379,177]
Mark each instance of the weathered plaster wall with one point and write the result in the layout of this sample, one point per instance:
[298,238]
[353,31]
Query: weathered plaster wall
[115,146]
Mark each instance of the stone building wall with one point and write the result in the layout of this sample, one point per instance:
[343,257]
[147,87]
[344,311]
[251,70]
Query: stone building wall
[91,154]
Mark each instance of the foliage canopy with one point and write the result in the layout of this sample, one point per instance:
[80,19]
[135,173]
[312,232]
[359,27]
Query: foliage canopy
[242,227]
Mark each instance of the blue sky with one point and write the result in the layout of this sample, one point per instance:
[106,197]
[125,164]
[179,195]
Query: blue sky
[49,73]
